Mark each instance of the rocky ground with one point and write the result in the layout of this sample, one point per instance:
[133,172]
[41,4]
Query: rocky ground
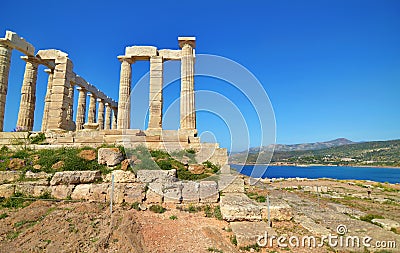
[306,208]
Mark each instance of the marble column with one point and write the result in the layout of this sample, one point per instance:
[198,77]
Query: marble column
[47,99]
[100,114]
[114,119]
[124,103]
[70,110]
[156,86]
[92,109]
[5,61]
[28,94]
[81,110]
[187,113]
[107,124]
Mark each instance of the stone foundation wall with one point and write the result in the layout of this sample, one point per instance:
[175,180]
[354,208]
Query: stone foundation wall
[148,186]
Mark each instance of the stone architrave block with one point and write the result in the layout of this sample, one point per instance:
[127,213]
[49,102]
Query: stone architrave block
[190,192]
[209,192]
[141,51]
[9,176]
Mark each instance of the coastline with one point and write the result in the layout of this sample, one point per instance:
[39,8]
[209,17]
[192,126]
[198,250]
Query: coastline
[316,165]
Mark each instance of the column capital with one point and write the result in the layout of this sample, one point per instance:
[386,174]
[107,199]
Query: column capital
[92,95]
[191,41]
[81,88]
[31,59]
[49,71]
[100,100]
[124,58]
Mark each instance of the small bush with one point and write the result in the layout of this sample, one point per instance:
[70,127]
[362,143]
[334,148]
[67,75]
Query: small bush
[214,250]
[249,247]
[157,209]
[3,216]
[261,199]
[217,213]
[14,202]
[370,217]
[136,206]
[38,139]
[173,217]
[233,240]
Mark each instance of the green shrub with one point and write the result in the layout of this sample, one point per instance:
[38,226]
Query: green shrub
[16,201]
[249,247]
[136,206]
[370,217]
[3,216]
[233,240]
[217,212]
[157,209]
[38,139]
[173,217]
[261,199]
[211,249]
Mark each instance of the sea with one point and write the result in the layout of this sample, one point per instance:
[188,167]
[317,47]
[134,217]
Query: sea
[390,175]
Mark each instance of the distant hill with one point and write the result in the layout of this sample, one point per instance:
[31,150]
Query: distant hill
[336,152]
[304,146]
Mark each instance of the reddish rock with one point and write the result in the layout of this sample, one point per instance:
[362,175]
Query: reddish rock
[88,154]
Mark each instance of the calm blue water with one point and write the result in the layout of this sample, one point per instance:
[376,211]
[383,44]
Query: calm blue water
[391,175]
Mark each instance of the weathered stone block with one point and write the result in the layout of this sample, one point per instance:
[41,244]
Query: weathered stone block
[75,177]
[7,190]
[387,224]
[39,175]
[121,176]
[134,193]
[81,191]
[9,176]
[61,191]
[247,233]
[159,176]
[190,192]
[155,193]
[141,51]
[238,207]
[109,156]
[173,192]
[98,192]
[209,192]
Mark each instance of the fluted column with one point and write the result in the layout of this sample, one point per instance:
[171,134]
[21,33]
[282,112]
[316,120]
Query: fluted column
[28,94]
[5,61]
[107,124]
[124,103]
[188,113]
[92,109]
[100,114]
[81,110]
[70,110]
[47,99]
[114,119]
[156,86]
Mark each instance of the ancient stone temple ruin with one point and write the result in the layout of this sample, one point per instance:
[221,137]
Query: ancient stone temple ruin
[103,120]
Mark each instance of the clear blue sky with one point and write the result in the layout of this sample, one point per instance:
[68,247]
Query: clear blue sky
[331,68]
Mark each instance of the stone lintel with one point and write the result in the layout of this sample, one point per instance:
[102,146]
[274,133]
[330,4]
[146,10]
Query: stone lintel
[141,52]
[169,54]
[187,40]
[16,42]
